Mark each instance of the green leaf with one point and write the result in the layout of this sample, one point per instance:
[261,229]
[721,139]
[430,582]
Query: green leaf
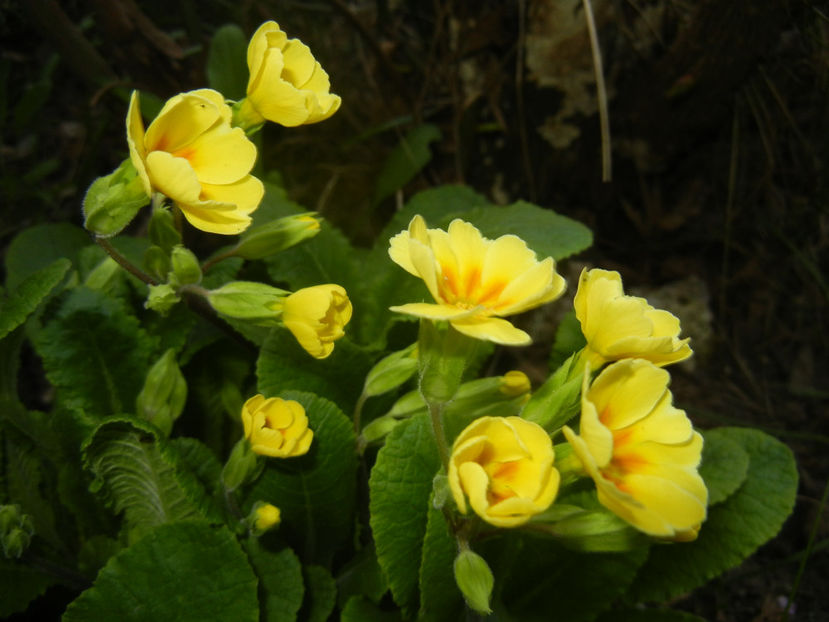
[361,576]
[399,489]
[547,233]
[359,609]
[95,353]
[534,577]
[440,598]
[29,294]
[21,585]
[283,364]
[183,571]
[568,339]
[281,588]
[142,476]
[314,492]
[37,247]
[734,529]
[405,161]
[724,465]
[227,70]
[321,593]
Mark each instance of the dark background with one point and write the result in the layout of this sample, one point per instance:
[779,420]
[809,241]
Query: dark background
[717,204]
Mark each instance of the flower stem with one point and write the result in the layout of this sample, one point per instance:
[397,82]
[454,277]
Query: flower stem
[436,416]
[124,262]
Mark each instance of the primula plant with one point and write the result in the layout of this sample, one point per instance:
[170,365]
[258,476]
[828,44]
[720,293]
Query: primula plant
[293,428]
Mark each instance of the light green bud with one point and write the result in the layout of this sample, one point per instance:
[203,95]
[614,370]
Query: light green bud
[10,517]
[441,491]
[391,371]
[15,542]
[103,274]
[277,235]
[247,300]
[157,262]
[591,531]
[162,398]
[185,265]
[263,517]
[162,229]
[162,298]
[242,466]
[112,201]
[379,428]
[474,579]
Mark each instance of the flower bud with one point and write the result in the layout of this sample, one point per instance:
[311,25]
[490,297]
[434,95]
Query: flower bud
[474,579]
[242,466]
[157,262]
[10,517]
[317,317]
[515,383]
[276,236]
[162,229]
[15,542]
[162,298]
[247,300]
[263,517]
[185,265]
[275,427]
[162,398]
[391,371]
[378,428]
[113,201]
[594,531]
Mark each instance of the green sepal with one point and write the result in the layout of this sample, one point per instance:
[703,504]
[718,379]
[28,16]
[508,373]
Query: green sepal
[157,262]
[162,298]
[185,265]
[112,201]
[443,354]
[242,466]
[162,229]
[162,398]
[474,579]
[559,399]
[276,236]
[391,372]
[247,300]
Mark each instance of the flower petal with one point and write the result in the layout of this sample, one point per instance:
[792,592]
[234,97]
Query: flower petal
[492,329]
[432,311]
[173,177]
[183,118]
[222,155]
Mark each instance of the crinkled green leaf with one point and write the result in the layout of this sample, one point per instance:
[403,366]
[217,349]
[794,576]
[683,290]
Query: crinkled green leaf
[405,161]
[141,475]
[37,247]
[95,353]
[29,294]
[399,489]
[283,365]
[320,593]
[314,492]
[734,529]
[185,572]
[281,588]
[21,585]
[724,465]
[547,233]
[535,576]
[227,69]
[440,598]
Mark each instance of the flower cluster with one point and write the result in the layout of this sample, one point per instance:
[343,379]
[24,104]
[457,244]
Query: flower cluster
[642,453]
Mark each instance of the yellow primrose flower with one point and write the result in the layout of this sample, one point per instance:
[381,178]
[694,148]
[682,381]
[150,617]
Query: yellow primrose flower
[504,466]
[267,516]
[475,281]
[286,85]
[275,427]
[191,154]
[317,316]
[641,451]
[617,326]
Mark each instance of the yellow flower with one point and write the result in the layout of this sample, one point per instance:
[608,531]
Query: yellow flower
[275,427]
[515,383]
[641,451]
[286,85]
[617,326]
[192,155]
[504,466]
[267,516]
[475,281]
[316,316]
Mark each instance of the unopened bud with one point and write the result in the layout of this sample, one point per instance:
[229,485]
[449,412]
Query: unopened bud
[10,516]
[162,229]
[474,579]
[247,300]
[379,428]
[391,371]
[515,383]
[113,201]
[162,298]
[278,235]
[242,466]
[264,516]
[157,262]
[15,542]
[185,265]
[162,398]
